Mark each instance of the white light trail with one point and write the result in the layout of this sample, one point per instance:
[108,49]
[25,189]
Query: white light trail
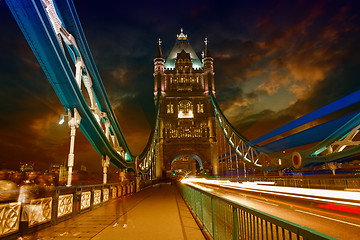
[333,219]
[333,196]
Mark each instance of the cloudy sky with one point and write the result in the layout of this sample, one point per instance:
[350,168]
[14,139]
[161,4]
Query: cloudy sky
[274,61]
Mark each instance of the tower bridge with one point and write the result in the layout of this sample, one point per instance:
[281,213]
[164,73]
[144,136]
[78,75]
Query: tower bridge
[189,122]
[186,118]
[190,134]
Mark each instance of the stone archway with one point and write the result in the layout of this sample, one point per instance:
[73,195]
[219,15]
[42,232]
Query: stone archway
[188,163]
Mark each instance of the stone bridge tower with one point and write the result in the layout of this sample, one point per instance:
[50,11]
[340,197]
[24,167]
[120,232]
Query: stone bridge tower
[187,133]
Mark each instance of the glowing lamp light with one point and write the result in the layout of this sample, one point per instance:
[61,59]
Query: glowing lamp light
[128,157]
[186,115]
[62,119]
[196,66]
[190,114]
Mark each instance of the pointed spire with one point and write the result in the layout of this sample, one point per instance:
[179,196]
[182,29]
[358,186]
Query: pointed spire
[207,52]
[181,36]
[159,52]
[207,59]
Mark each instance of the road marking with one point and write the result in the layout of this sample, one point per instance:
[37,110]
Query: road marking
[356,225]
[274,204]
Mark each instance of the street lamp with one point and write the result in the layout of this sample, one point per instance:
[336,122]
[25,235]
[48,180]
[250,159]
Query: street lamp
[74,122]
[62,118]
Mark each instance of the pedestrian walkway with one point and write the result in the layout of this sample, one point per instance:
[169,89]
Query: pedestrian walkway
[158,212]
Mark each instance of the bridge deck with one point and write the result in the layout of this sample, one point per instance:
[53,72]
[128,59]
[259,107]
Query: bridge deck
[157,212]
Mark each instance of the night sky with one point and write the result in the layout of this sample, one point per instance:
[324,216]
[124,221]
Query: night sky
[274,62]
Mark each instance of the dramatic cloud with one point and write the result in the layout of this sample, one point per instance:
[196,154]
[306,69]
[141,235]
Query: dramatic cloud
[274,62]
[295,57]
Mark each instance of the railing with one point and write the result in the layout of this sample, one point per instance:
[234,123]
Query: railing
[9,218]
[224,219]
[64,203]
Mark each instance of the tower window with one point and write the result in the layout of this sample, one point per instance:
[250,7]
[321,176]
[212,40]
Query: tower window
[170,108]
[185,109]
[200,108]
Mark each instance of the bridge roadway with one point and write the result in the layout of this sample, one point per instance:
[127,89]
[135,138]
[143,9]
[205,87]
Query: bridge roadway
[157,212]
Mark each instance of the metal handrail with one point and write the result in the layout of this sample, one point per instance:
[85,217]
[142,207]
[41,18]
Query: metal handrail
[225,219]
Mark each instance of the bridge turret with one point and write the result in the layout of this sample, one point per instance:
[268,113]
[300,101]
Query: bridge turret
[159,70]
[209,73]
[207,57]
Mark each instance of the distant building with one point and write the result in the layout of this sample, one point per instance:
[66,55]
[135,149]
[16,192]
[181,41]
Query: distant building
[26,167]
[63,174]
[83,168]
[59,173]
[54,168]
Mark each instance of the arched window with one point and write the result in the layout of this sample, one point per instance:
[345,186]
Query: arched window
[170,108]
[185,109]
[200,108]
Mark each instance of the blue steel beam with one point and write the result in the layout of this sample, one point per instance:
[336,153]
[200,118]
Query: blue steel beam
[330,108]
[37,29]
[154,132]
[72,24]
[248,153]
[324,134]
[315,134]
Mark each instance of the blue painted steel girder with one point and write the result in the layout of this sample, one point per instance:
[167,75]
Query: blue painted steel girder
[330,108]
[37,29]
[324,134]
[72,24]
[316,134]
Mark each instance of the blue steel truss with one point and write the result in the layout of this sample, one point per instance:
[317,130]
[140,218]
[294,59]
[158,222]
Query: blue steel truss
[325,137]
[37,28]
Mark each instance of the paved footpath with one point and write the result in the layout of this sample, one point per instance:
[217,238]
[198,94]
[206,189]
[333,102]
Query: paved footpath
[157,212]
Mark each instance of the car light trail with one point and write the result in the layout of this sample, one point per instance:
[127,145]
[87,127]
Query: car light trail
[330,196]
[332,219]
[340,208]
[198,186]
